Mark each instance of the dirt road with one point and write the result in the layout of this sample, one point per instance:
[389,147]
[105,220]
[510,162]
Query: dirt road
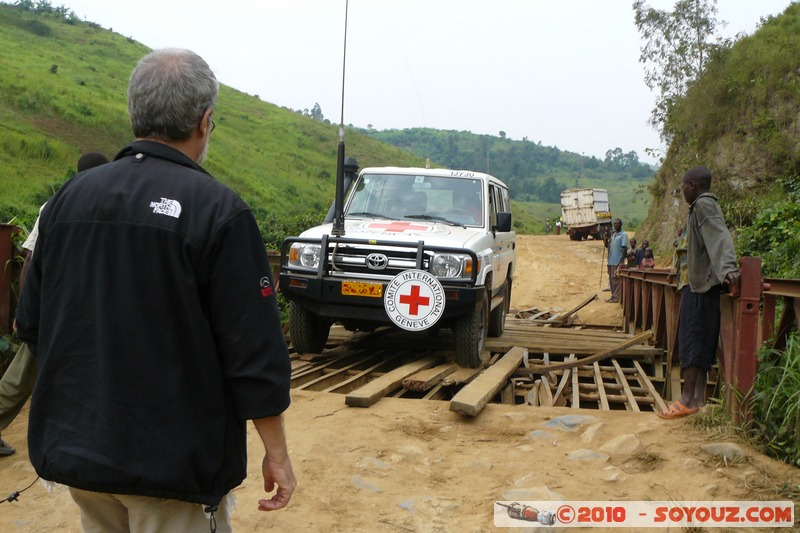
[410,465]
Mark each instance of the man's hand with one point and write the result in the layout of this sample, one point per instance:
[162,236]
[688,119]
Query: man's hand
[277,473]
[276,466]
[732,280]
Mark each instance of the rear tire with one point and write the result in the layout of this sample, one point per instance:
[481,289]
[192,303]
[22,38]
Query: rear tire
[497,318]
[575,237]
[470,332]
[308,331]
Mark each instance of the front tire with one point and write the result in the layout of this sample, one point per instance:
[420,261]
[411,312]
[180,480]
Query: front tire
[470,333]
[308,331]
[497,318]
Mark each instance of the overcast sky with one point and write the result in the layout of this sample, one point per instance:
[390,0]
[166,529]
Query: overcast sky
[563,72]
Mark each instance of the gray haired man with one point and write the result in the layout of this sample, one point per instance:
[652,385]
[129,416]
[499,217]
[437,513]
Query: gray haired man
[150,308]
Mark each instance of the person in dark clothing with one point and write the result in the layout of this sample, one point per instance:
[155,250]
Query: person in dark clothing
[19,378]
[150,308]
[711,265]
[639,252]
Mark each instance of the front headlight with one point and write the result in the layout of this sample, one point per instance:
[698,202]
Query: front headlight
[304,255]
[451,266]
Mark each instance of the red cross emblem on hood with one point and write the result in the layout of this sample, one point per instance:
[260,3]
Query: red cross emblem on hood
[397,226]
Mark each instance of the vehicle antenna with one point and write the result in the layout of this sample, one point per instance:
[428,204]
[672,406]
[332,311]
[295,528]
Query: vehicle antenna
[422,112]
[338,212]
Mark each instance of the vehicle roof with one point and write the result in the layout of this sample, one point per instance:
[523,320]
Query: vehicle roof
[440,172]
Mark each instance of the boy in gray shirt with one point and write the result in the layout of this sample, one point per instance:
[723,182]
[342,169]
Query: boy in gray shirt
[711,266]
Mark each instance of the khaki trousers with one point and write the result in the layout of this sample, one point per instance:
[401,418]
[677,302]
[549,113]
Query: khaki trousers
[119,513]
[613,281]
[16,385]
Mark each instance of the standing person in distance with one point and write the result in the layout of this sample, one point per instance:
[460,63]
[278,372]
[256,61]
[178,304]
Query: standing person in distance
[711,267]
[19,378]
[151,311]
[617,244]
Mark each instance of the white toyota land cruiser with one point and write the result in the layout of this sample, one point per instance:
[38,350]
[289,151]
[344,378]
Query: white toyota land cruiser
[422,249]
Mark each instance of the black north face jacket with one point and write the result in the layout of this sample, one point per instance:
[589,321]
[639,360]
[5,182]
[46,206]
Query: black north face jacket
[151,310]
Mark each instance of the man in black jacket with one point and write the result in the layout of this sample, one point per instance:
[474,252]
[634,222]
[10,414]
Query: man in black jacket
[151,311]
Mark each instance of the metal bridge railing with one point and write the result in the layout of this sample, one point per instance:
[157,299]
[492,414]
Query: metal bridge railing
[650,301]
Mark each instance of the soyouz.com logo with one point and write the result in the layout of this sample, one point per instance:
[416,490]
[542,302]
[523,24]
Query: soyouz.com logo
[643,514]
[414,300]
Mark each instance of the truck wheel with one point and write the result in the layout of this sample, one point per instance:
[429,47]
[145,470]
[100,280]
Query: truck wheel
[309,331]
[497,318]
[470,334]
[575,237]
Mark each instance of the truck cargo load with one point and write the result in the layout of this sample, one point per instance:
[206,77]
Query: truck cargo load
[585,212]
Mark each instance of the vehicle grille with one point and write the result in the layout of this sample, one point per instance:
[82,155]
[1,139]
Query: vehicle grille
[352,260]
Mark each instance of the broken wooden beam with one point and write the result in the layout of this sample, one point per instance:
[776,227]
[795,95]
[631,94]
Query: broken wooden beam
[473,397]
[461,376]
[428,378]
[378,388]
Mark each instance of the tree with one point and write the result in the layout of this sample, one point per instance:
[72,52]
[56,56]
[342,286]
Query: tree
[675,51]
[316,112]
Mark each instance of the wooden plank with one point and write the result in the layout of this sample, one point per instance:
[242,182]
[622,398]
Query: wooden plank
[507,394]
[601,390]
[333,375]
[426,379]
[605,354]
[545,394]
[436,393]
[646,383]
[631,404]
[532,398]
[461,376]
[559,398]
[473,397]
[309,373]
[576,390]
[361,378]
[675,382]
[378,388]
[614,398]
[577,308]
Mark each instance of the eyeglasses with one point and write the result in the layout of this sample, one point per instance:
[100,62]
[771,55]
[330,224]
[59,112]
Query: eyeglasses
[213,125]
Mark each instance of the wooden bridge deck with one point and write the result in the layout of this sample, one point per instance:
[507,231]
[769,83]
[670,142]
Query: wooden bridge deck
[530,364]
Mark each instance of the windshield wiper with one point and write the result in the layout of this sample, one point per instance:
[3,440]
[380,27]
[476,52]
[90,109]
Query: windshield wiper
[368,215]
[438,219]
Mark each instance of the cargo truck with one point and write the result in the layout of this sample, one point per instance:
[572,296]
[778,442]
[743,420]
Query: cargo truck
[585,212]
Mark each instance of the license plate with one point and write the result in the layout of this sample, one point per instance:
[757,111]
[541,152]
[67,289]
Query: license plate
[362,288]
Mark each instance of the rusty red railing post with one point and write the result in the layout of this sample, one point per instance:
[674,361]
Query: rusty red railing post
[740,366]
[7,231]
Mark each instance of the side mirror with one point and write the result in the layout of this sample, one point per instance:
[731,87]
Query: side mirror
[503,222]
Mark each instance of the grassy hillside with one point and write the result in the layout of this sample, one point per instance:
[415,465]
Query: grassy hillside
[741,120]
[63,92]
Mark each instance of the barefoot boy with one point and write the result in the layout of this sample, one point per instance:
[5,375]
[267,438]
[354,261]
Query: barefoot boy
[711,264]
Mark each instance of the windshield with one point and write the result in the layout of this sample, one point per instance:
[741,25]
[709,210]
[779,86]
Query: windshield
[399,196]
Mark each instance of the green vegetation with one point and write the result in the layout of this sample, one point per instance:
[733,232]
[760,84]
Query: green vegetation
[63,90]
[535,174]
[776,402]
[677,46]
[740,119]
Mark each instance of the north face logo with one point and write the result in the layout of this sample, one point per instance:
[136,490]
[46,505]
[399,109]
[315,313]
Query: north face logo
[167,207]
